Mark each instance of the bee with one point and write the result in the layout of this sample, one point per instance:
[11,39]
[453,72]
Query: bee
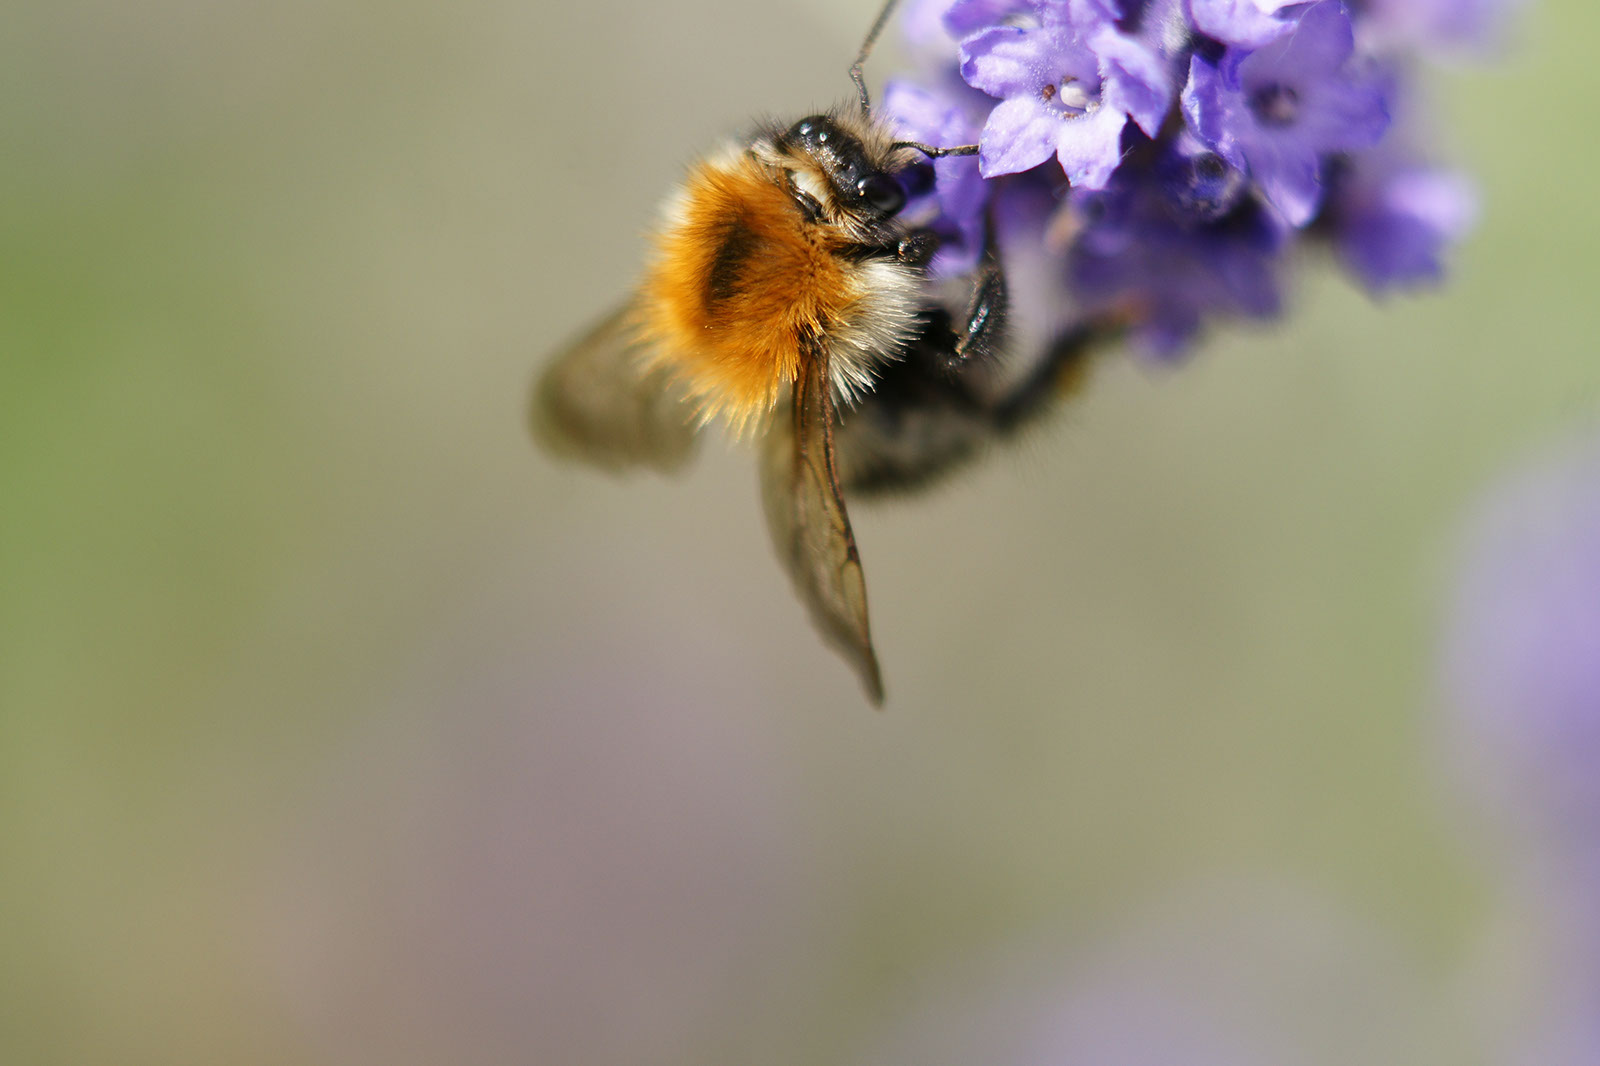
[789,299]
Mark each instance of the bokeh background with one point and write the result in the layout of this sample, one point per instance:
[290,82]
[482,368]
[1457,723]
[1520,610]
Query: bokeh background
[337,725]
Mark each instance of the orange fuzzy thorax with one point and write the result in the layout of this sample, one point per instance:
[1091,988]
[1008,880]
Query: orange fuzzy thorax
[739,290]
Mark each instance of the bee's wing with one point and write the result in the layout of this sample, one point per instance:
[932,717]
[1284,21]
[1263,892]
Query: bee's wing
[809,526]
[597,402]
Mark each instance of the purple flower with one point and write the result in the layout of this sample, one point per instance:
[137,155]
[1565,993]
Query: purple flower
[1144,251]
[1391,222]
[1068,81]
[1449,25]
[1278,111]
[1520,684]
[1286,121]
[1522,656]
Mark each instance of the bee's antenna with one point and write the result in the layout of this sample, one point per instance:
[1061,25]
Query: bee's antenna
[866,101]
[866,50]
[937,153]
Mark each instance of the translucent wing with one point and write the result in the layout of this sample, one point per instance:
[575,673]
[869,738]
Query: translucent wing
[597,402]
[809,526]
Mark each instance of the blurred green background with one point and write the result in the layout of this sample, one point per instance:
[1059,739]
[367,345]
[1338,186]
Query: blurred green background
[338,725]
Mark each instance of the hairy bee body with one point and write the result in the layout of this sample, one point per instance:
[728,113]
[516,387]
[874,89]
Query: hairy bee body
[788,298]
[759,257]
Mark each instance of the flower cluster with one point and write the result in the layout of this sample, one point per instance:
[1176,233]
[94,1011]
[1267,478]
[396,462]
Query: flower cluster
[1521,670]
[1520,696]
[1188,145]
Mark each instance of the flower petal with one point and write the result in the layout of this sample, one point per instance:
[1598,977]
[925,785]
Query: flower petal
[1205,107]
[1290,176]
[1245,23]
[1443,199]
[1091,147]
[1007,61]
[1344,115]
[1393,236]
[966,17]
[1135,79]
[1020,134]
[1321,43]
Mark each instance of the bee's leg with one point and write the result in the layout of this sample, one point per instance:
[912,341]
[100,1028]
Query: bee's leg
[984,332]
[983,327]
[918,247]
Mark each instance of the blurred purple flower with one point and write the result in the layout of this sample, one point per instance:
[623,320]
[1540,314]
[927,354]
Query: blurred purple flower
[1141,252]
[1239,974]
[1521,694]
[1068,85]
[1437,25]
[1199,183]
[1280,111]
[1521,686]
[922,26]
[1522,655]
[1392,222]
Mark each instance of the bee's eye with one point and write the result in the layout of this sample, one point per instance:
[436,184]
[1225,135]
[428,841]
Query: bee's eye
[882,193]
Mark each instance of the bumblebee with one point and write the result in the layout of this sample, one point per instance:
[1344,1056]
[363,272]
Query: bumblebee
[789,299]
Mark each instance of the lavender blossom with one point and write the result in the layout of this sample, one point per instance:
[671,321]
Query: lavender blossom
[1150,250]
[1392,221]
[1521,696]
[1281,110]
[1185,147]
[1522,658]
[1068,85]
[1437,26]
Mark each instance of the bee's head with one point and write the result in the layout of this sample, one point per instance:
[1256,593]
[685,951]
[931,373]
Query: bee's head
[858,167]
